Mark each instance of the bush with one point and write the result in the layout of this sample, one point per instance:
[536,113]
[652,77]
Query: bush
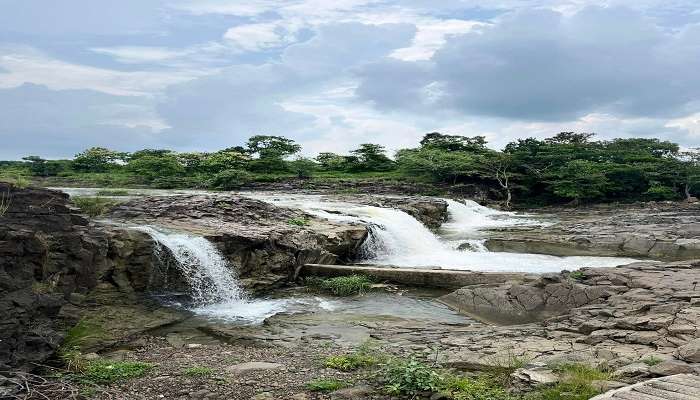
[343,285]
[105,372]
[93,206]
[475,389]
[411,377]
[230,179]
[349,362]
[298,221]
[325,385]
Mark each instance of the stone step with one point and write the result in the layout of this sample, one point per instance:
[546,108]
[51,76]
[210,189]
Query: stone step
[440,278]
[674,387]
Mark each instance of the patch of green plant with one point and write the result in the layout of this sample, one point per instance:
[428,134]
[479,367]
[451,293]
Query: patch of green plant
[480,388]
[575,383]
[410,377]
[113,192]
[94,206]
[326,385]
[298,221]
[78,334]
[342,285]
[577,275]
[652,360]
[504,366]
[105,372]
[350,362]
[199,372]
[5,202]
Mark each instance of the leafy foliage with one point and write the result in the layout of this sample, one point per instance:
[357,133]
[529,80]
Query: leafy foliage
[325,385]
[411,377]
[350,362]
[105,372]
[343,285]
[93,206]
[199,372]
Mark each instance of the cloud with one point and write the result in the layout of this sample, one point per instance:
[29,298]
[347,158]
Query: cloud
[257,37]
[543,65]
[38,120]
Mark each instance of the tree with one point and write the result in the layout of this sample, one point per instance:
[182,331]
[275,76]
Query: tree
[436,140]
[331,161]
[570,138]
[97,159]
[372,157]
[224,160]
[580,180]
[41,167]
[277,147]
[440,165]
[303,167]
[151,167]
[230,179]
[690,167]
[193,162]
[501,167]
[149,153]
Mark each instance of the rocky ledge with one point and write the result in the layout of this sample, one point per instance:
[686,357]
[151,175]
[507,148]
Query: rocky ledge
[631,318]
[663,231]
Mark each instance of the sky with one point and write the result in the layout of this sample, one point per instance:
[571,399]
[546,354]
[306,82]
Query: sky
[202,75]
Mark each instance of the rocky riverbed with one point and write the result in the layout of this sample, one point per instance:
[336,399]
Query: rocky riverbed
[58,268]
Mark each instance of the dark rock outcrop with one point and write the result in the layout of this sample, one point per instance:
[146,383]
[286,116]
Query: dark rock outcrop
[52,259]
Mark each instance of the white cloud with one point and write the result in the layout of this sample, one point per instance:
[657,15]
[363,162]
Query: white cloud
[27,65]
[256,37]
[431,36]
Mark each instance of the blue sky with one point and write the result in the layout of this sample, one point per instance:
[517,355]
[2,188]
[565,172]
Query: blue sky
[206,74]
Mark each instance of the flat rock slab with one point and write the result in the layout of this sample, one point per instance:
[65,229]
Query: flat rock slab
[244,368]
[675,387]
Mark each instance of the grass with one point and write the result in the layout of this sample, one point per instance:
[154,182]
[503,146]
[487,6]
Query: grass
[326,385]
[106,372]
[199,372]
[82,331]
[113,192]
[343,285]
[298,221]
[5,202]
[652,360]
[480,388]
[350,362]
[577,275]
[93,206]
[576,383]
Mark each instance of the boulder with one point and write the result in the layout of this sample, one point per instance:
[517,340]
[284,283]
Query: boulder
[690,351]
[671,367]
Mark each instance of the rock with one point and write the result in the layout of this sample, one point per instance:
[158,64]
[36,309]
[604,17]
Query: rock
[671,367]
[359,392]
[263,396]
[254,366]
[690,352]
[299,396]
[175,340]
[633,370]
[532,377]
[604,386]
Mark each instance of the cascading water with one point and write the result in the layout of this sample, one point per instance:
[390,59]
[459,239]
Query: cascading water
[398,239]
[215,289]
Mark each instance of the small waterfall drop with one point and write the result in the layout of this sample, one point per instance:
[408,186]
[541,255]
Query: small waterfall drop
[207,272]
[214,286]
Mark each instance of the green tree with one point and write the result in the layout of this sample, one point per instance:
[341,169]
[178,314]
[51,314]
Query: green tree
[225,160]
[149,153]
[303,167]
[97,159]
[331,161]
[581,180]
[193,162]
[277,147]
[436,140]
[501,167]
[690,170]
[151,167]
[230,179]
[440,165]
[372,157]
[41,167]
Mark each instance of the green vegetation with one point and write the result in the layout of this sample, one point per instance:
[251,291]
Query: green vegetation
[350,362]
[105,372]
[568,167]
[576,383]
[349,285]
[652,360]
[326,385]
[93,206]
[577,275]
[5,202]
[298,221]
[81,332]
[112,192]
[411,377]
[199,372]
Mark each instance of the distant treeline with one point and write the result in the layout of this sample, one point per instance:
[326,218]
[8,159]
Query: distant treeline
[564,168]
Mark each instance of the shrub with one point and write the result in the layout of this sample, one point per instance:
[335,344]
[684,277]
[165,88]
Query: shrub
[93,206]
[298,221]
[343,285]
[199,372]
[577,275]
[475,389]
[325,385]
[349,362]
[575,383]
[652,360]
[230,179]
[106,372]
[411,377]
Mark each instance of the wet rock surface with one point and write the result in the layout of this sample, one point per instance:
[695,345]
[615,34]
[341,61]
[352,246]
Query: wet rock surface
[664,231]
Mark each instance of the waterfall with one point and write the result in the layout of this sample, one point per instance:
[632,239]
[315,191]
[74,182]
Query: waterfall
[396,238]
[215,288]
